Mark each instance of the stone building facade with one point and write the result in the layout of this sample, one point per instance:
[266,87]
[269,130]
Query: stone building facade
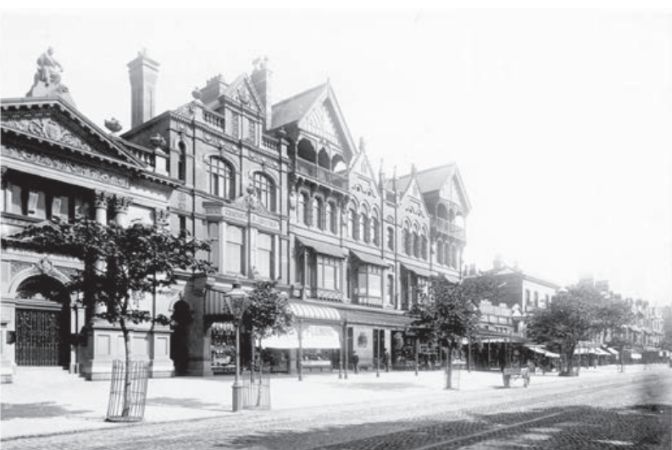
[279,188]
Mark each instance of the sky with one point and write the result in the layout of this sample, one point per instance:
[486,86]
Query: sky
[559,120]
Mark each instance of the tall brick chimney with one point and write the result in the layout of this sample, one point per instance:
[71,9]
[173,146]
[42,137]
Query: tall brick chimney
[143,72]
[261,78]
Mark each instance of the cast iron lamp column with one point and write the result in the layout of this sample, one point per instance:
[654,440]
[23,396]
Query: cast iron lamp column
[236,300]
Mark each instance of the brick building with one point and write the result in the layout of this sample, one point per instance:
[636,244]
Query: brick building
[281,190]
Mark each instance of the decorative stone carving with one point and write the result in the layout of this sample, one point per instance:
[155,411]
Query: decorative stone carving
[121,204]
[45,266]
[63,166]
[17,266]
[100,199]
[162,217]
[113,125]
[47,79]
[47,128]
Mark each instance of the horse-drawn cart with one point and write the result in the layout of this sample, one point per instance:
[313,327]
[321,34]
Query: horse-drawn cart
[512,373]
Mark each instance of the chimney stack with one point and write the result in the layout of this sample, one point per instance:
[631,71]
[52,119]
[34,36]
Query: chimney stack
[143,72]
[261,79]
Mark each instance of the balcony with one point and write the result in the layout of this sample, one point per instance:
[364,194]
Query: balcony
[320,174]
[445,227]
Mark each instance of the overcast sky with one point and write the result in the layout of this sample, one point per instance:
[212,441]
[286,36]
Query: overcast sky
[559,120]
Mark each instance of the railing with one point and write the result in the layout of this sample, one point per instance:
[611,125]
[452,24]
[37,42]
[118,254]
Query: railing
[146,157]
[269,143]
[321,174]
[443,226]
[213,119]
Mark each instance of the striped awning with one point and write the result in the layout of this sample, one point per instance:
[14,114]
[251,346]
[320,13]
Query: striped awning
[322,248]
[215,303]
[309,311]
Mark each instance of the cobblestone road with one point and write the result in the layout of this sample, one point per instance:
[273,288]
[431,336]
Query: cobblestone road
[624,411]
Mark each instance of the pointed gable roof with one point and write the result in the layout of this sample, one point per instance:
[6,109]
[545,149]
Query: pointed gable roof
[433,179]
[296,107]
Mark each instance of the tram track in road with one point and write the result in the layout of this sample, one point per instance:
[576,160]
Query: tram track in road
[454,429]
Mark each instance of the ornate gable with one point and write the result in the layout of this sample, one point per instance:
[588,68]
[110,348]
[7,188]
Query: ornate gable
[412,203]
[322,122]
[242,90]
[63,127]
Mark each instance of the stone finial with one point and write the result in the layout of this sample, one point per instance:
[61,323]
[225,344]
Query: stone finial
[196,94]
[157,141]
[260,63]
[113,125]
[362,144]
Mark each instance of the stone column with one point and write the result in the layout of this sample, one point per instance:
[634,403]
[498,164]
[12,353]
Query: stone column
[162,218]
[276,257]
[121,205]
[100,204]
[6,192]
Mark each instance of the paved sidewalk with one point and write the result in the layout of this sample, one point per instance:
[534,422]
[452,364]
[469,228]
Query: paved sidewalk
[48,401]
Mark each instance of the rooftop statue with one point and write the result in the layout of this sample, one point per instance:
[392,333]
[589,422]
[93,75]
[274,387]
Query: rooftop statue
[47,79]
[48,69]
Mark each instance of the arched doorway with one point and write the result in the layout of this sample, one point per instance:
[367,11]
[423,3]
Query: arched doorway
[42,323]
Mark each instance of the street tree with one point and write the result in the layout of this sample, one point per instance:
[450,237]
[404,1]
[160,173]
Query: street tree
[610,315]
[571,317]
[121,265]
[448,313]
[267,313]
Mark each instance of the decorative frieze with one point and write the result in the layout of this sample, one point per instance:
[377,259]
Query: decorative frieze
[64,166]
[47,128]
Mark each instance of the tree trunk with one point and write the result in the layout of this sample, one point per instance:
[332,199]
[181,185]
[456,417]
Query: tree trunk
[449,369]
[127,369]
[252,355]
[569,354]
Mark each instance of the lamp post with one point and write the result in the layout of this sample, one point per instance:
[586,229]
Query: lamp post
[236,300]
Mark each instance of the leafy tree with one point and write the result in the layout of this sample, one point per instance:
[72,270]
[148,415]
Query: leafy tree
[449,312]
[570,318]
[610,316]
[121,266]
[267,313]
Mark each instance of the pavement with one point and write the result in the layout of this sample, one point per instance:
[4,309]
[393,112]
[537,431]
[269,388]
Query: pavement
[48,402]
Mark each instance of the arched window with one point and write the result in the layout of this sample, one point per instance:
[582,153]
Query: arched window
[439,252]
[332,218]
[390,238]
[182,161]
[446,254]
[408,240]
[221,178]
[364,227]
[352,224]
[318,213]
[375,227]
[302,211]
[423,246]
[416,244]
[264,189]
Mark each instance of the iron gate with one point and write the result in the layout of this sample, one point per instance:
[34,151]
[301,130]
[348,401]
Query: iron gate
[39,338]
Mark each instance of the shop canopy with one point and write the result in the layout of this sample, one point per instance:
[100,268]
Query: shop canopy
[601,352]
[542,351]
[370,259]
[312,337]
[418,271]
[612,351]
[636,355]
[323,248]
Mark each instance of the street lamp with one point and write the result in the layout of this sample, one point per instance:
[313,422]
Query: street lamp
[236,301]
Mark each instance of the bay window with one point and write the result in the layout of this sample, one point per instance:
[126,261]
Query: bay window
[328,270]
[369,284]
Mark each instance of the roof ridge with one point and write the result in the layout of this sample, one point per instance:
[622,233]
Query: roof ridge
[300,94]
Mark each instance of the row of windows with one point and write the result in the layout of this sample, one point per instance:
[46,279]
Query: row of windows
[537,303]
[223,183]
[235,251]
[318,213]
[414,244]
[447,254]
